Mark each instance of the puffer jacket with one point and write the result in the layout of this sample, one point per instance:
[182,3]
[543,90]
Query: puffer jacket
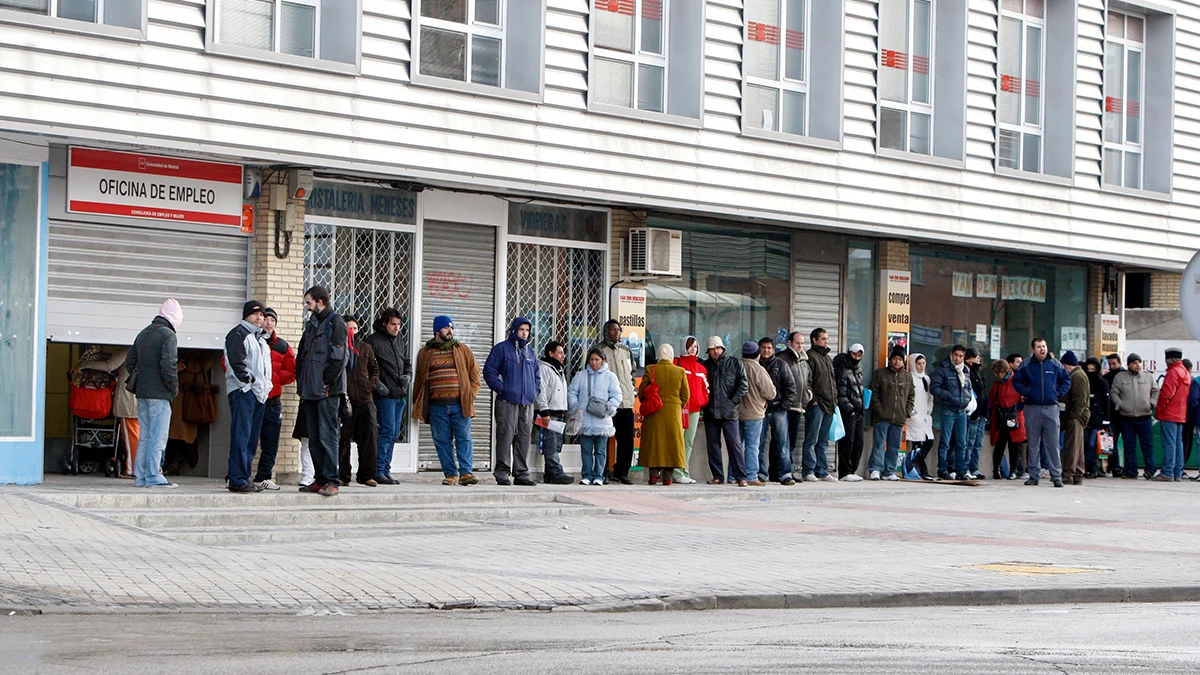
[977,385]
[395,371]
[697,379]
[892,396]
[801,377]
[1098,402]
[283,365]
[247,361]
[785,386]
[824,385]
[727,386]
[601,384]
[552,397]
[948,389]
[511,369]
[155,357]
[1042,382]
[1172,397]
[1134,395]
[849,377]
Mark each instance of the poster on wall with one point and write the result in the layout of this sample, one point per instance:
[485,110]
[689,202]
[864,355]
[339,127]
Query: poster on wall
[997,345]
[963,282]
[985,285]
[928,336]
[981,333]
[1074,338]
[1106,335]
[895,311]
[629,307]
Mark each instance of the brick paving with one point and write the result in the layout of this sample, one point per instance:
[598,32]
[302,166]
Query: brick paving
[841,538]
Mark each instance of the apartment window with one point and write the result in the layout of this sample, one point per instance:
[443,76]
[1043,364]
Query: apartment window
[1022,64]
[905,78]
[1137,290]
[647,55]
[124,13]
[488,43]
[1124,75]
[309,29]
[776,65]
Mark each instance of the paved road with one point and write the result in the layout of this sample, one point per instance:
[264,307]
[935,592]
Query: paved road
[1074,640]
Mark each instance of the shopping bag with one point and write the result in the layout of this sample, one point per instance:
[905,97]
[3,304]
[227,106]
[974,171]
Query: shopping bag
[837,430]
[866,399]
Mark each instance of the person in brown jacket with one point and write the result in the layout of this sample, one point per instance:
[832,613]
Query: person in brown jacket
[445,384]
[753,408]
[892,401]
[1074,419]
[362,427]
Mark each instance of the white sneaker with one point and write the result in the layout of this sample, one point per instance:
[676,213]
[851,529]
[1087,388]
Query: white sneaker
[586,481]
[267,484]
[852,478]
[686,481]
[874,475]
[811,478]
[827,479]
[1045,473]
[891,476]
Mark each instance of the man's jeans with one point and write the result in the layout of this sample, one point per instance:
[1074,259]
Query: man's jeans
[796,422]
[887,439]
[245,427]
[780,445]
[324,433]
[1138,434]
[268,439]
[816,441]
[452,432]
[1041,426]
[952,447]
[974,443]
[391,417]
[751,432]
[154,418]
[1172,440]
[550,445]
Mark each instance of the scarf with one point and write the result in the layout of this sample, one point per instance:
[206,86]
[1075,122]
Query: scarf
[442,346]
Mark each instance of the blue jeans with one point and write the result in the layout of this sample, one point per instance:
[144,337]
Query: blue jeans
[1172,440]
[781,448]
[154,419]
[1138,434]
[550,445]
[887,438]
[245,426]
[952,447]
[391,416]
[593,450]
[974,443]
[816,433]
[751,432]
[268,439]
[452,432]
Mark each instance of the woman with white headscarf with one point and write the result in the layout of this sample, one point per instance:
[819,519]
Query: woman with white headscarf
[919,428]
[662,448]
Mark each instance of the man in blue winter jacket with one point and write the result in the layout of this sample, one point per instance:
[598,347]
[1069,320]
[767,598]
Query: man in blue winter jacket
[512,371]
[950,385]
[1042,380]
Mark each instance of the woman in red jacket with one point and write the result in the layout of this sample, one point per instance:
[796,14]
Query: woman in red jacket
[697,379]
[1008,421]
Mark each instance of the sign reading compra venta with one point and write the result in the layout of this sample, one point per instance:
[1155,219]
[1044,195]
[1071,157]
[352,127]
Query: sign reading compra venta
[111,183]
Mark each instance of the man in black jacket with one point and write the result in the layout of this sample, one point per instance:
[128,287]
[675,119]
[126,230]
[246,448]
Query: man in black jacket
[776,420]
[818,418]
[1115,365]
[395,372]
[726,385]
[153,366]
[848,374]
[321,382]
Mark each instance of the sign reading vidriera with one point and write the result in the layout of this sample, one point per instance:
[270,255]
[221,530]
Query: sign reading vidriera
[110,183]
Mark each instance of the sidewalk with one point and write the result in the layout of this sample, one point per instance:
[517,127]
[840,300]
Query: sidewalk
[694,546]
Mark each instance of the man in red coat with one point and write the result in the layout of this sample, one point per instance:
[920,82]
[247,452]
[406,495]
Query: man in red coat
[283,371]
[1172,413]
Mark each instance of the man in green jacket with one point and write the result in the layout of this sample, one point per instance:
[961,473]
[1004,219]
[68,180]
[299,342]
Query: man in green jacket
[892,399]
[1074,420]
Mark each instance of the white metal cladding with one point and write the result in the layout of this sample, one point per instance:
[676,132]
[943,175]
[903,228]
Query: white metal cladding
[169,91]
[816,300]
[106,282]
[458,267]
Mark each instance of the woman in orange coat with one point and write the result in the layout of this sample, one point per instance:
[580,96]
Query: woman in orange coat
[662,448]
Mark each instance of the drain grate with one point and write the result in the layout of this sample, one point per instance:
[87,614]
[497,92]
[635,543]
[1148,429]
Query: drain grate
[1035,569]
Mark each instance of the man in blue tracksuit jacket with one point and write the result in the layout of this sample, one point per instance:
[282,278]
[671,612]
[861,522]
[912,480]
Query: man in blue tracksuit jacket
[512,371]
[950,385]
[1042,380]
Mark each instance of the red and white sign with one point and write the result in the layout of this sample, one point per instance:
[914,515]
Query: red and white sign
[110,183]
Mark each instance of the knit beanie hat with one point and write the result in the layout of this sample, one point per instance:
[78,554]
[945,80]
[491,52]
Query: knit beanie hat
[171,311]
[440,322]
[749,349]
[1069,359]
[1133,357]
[251,307]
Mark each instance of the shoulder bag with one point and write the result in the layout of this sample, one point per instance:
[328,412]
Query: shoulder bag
[651,398]
[596,407]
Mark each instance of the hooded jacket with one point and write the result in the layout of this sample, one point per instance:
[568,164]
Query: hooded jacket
[283,365]
[619,360]
[247,361]
[849,377]
[892,396]
[600,384]
[1134,395]
[920,423]
[155,357]
[951,390]
[727,386]
[1042,382]
[824,386]
[697,379]
[552,396]
[759,391]
[395,371]
[801,377]
[1172,398]
[785,386]
[1098,401]
[511,369]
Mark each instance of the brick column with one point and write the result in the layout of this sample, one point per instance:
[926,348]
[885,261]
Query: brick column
[279,283]
[1164,290]
[893,255]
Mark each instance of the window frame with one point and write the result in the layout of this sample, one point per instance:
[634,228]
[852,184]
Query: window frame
[472,29]
[782,83]
[637,58]
[1024,128]
[910,107]
[1124,146]
[50,20]
[212,46]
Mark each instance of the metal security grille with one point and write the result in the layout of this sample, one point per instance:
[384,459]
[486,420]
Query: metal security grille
[561,291]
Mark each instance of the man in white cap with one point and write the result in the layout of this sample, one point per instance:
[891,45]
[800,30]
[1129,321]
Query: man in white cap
[153,367]
[727,386]
[847,370]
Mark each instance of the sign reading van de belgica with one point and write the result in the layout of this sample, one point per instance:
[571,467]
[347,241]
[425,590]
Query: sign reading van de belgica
[557,222]
[362,202]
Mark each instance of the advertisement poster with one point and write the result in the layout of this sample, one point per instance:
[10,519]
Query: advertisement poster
[1107,335]
[986,285]
[629,307]
[1074,338]
[963,285]
[895,311]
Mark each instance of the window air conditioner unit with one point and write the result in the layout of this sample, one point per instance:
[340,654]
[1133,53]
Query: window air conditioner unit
[653,250]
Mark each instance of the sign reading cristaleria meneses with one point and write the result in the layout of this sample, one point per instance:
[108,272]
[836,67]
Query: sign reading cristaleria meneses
[362,202]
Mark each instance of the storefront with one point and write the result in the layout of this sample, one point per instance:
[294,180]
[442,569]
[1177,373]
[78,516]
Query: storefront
[24,176]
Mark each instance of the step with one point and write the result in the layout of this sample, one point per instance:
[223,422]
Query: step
[287,498]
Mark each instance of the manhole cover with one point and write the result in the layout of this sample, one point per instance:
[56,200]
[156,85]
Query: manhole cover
[1035,569]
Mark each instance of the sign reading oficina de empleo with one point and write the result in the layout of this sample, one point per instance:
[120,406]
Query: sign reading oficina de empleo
[136,185]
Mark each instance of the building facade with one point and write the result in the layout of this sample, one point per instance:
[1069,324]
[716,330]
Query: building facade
[1018,159]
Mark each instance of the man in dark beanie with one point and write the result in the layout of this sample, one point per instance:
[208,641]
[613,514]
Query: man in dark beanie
[248,382]
[892,400]
[1171,412]
[1134,395]
[1074,420]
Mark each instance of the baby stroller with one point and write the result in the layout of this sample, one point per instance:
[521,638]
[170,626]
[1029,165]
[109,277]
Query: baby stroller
[95,436]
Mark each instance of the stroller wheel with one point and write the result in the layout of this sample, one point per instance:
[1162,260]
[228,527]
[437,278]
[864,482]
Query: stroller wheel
[110,468]
[87,467]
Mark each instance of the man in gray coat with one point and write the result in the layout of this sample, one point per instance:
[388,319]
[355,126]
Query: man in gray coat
[153,366]
[1135,396]
[797,360]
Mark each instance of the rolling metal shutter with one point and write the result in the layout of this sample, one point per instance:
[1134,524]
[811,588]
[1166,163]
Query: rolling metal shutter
[106,282]
[817,300]
[459,280]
